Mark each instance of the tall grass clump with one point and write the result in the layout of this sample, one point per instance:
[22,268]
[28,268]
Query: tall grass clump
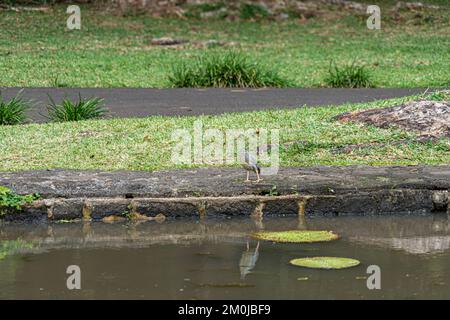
[84,109]
[253,11]
[12,112]
[225,70]
[348,76]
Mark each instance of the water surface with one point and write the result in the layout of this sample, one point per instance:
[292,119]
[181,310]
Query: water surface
[216,259]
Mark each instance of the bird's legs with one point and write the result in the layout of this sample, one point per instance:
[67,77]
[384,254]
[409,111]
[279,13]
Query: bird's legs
[257,175]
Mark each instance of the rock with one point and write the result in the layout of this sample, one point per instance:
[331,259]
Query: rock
[349,5]
[440,200]
[212,43]
[216,43]
[220,13]
[413,6]
[428,118]
[112,219]
[167,41]
[160,218]
[34,9]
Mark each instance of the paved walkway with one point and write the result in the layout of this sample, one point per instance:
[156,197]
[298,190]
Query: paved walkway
[124,102]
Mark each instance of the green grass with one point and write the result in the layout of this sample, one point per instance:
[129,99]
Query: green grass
[439,96]
[229,70]
[146,143]
[115,51]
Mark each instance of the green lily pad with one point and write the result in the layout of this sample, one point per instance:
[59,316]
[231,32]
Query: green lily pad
[296,236]
[325,262]
[227,285]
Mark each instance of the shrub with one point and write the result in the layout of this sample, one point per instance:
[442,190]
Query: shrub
[348,76]
[230,70]
[13,111]
[84,109]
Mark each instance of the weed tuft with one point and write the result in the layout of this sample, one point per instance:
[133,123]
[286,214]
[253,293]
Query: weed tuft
[13,111]
[84,109]
[348,76]
[10,199]
[229,70]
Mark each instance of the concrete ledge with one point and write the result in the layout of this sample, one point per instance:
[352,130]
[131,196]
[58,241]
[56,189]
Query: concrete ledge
[321,191]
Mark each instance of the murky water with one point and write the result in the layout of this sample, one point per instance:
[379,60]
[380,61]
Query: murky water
[190,259]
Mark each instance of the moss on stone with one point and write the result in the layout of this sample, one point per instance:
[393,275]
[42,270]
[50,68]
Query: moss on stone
[296,236]
[325,262]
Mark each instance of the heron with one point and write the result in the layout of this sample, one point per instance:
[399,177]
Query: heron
[251,165]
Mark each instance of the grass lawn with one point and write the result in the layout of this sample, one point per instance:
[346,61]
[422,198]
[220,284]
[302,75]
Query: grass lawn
[115,51]
[145,144]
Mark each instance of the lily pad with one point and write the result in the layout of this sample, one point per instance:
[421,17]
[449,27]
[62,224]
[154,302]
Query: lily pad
[296,236]
[227,285]
[325,262]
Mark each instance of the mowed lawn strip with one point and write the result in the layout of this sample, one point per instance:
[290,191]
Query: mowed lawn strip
[309,136]
[111,50]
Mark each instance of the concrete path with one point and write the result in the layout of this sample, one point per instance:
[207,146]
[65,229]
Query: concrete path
[124,102]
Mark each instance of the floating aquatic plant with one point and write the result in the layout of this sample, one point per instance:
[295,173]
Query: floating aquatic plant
[325,262]
[227,285]
[296,236]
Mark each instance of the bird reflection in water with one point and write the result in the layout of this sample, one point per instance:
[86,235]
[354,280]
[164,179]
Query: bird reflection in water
[248,260]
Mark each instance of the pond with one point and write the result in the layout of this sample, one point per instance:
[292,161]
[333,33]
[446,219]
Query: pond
[217,259]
